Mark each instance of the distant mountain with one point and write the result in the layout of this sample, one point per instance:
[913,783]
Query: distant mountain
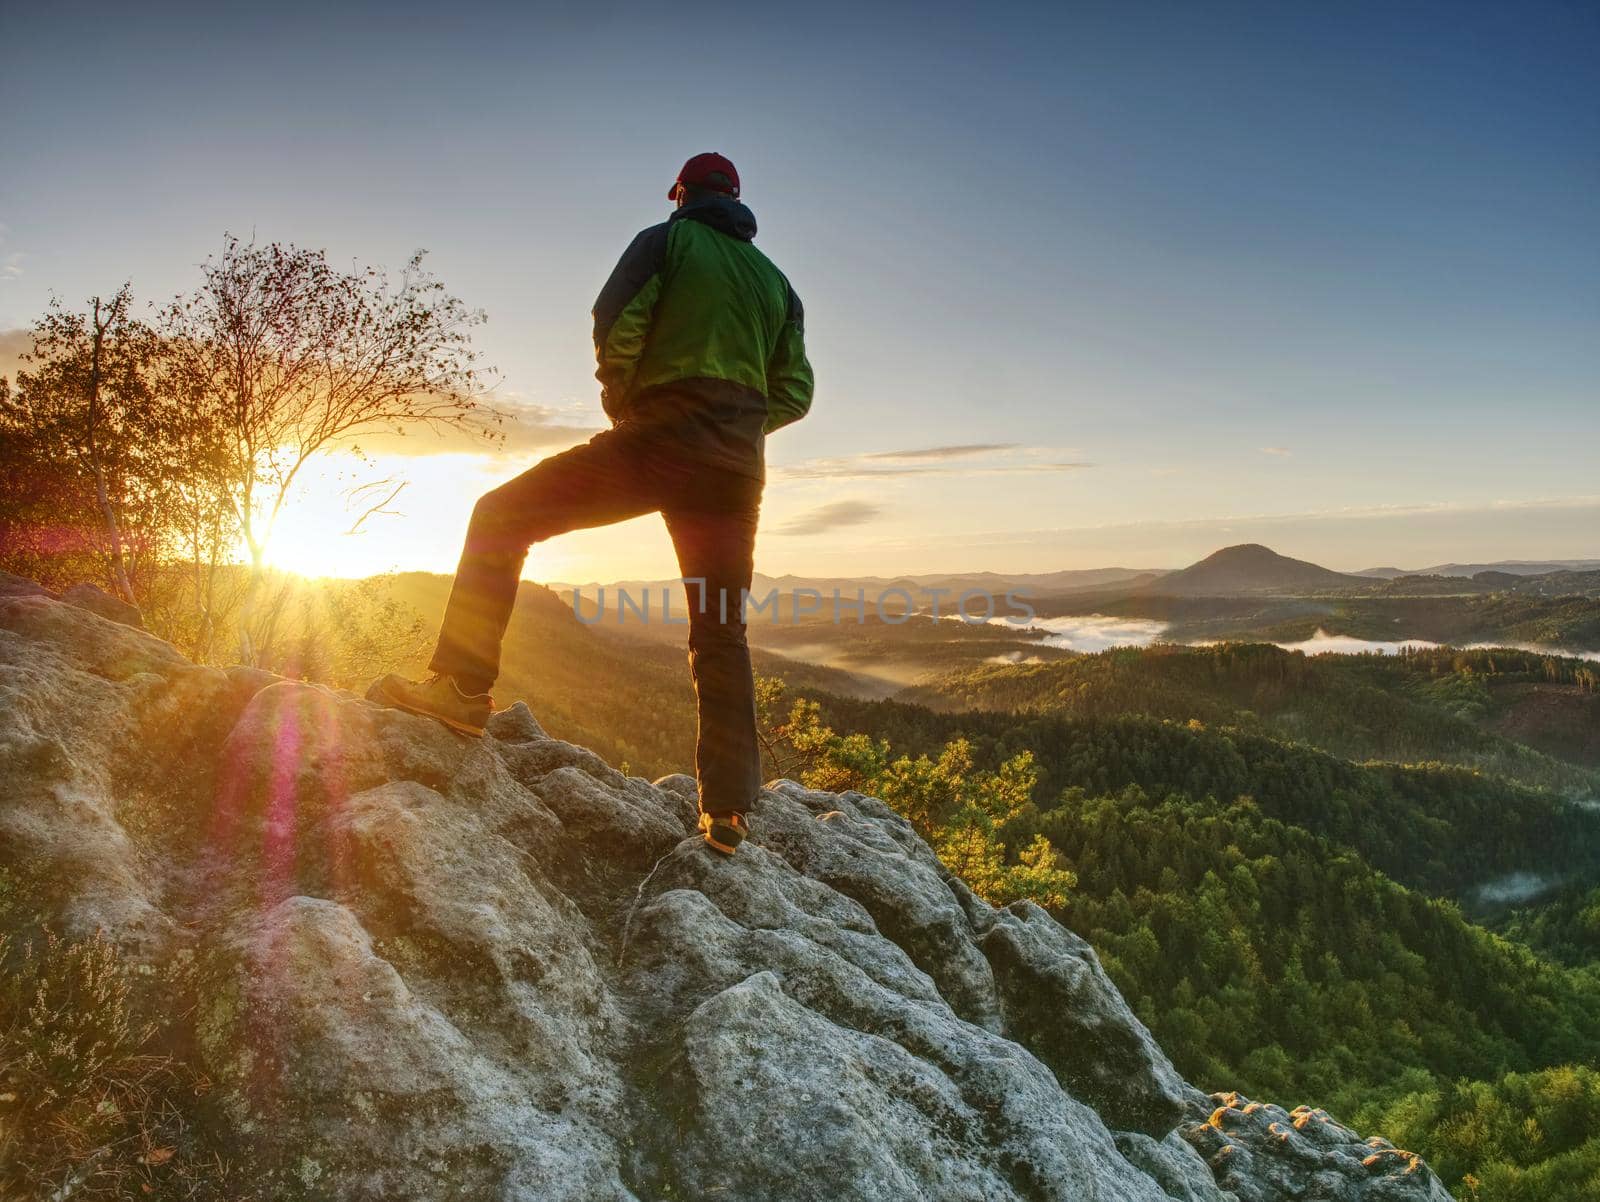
[1251,568]
[952,583]
[1510,567]
[1241,570]
[1039,582]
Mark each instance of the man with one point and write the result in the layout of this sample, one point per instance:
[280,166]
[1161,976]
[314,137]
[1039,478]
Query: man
[701,350]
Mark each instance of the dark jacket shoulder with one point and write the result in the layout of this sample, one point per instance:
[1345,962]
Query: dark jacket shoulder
[645,256]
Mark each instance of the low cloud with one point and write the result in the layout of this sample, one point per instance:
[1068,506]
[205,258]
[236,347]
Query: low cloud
[12,345]
[1281,451]
[950,452]
[499,428]
[1515,887]
[10,261]
[833,516]
[1095,632]
[965,459]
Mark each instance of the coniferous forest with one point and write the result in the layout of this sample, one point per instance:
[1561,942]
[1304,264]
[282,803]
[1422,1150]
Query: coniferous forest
[1328,879]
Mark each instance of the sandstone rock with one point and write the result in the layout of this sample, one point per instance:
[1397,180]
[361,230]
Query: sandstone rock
[97,601]
[1060,1004]
[1263,1154]
[1173,1165]
[438,967]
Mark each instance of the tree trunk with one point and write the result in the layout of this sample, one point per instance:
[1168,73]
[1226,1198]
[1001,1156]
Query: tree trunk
[119,571]
[205,586]
[252,595]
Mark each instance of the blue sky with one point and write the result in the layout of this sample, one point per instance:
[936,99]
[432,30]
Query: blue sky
[1320,276]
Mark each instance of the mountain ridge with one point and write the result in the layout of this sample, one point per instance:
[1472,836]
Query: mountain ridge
[1513,567]
[1063,580]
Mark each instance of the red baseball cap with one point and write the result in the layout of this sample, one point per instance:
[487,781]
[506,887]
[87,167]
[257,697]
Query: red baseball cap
[710,171]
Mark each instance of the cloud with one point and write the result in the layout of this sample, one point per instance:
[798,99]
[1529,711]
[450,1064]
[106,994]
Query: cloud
[1281,451]
[1515,887]
[522,427]
[831,517]
[950,452]
[852,469]
[10,264]
[1096,632]
[12,345]
[967,459]
[529,426]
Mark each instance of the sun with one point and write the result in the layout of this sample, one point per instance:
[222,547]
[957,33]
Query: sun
[350,518]
[308,546]
[325,530]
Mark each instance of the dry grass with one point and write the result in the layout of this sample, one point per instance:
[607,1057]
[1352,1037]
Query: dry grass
[91,1106]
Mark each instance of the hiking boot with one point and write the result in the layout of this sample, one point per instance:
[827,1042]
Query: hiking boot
[724,832]
[437,698]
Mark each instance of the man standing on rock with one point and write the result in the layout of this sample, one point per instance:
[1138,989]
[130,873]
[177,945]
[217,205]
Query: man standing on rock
[701,350]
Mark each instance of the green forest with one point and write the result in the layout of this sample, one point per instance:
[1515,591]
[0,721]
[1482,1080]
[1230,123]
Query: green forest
[1422,704]
[1279,860]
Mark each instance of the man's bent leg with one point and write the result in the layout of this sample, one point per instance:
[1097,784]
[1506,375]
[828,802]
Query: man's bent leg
[591,485]
[714,535]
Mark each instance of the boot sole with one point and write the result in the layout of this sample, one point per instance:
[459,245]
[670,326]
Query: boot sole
[724,848]
[460,728]
[718,845]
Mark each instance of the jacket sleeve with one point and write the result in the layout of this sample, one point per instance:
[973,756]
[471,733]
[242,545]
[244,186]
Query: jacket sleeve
[622,316]
[789,379]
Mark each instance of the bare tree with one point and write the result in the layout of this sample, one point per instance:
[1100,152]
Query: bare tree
[386,490]
[86,399]
[294,357]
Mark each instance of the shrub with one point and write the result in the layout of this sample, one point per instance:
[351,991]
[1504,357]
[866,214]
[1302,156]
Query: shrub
[90,1107]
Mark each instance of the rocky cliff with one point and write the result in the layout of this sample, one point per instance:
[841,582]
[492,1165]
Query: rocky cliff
[440,968]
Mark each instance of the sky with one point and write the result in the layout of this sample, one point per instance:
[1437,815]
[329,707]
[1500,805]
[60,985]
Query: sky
[1085,284]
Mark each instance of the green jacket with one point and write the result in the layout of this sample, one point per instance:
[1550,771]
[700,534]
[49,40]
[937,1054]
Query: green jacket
[701,339]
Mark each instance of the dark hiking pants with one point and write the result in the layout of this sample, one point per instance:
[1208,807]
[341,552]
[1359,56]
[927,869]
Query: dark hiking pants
[711,514]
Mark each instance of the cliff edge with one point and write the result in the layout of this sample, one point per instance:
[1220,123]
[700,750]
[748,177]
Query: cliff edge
[437,968]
